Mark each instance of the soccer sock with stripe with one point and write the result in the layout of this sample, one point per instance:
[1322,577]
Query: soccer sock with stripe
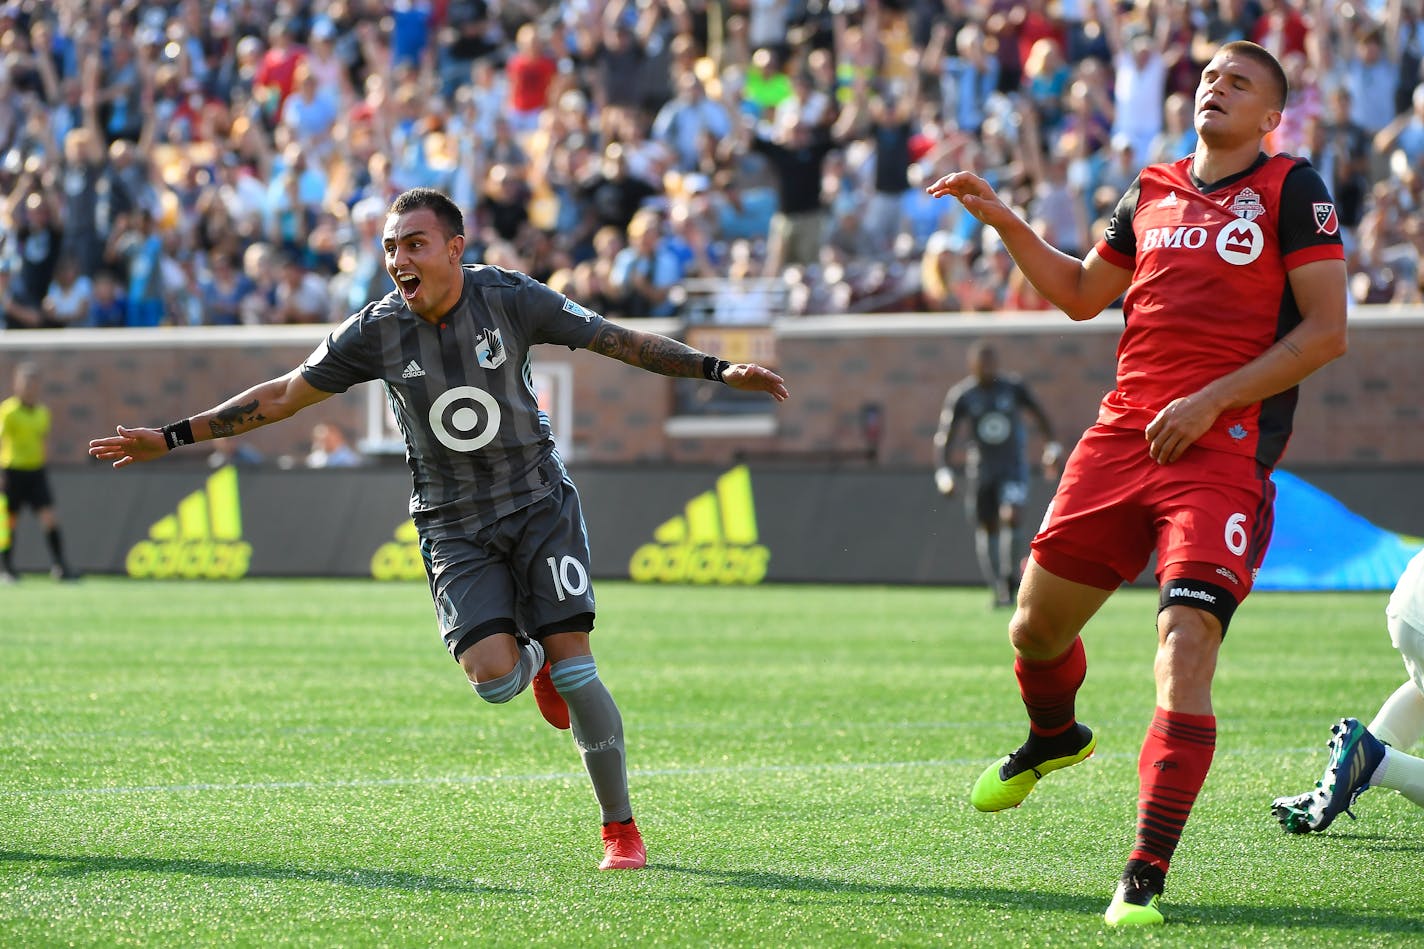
[1176,756]
[598,731]
[1048,688]
[501,690]
[1400,720]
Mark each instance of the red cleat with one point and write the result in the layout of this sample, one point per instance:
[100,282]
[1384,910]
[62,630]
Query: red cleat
[623,847]
[551,704]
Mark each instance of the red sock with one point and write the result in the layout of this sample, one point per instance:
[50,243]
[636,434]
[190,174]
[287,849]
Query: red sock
[1048,688]
[1174,761]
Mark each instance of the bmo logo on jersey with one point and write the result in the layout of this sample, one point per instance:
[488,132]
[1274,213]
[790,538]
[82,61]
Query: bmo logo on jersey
[1172,238]
[1240,242]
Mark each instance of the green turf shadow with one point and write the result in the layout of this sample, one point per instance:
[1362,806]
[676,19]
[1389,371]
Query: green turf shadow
[73,866]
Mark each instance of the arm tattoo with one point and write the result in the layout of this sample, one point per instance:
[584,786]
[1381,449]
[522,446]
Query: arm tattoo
[1291,348]
[227,420]
[648,351]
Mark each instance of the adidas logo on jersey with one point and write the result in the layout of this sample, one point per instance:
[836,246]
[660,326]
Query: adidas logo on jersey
[1169,202]
[713,541]
[201,540]
[412,370]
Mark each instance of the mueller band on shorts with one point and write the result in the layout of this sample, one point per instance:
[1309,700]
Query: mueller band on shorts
[483,631]
[712,368]
[1208,597]
[578,623]
[178,433]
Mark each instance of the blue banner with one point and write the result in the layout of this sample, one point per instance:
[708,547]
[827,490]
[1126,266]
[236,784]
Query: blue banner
[1319,544]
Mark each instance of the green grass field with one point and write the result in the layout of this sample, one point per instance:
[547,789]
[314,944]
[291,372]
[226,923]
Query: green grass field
[300,763]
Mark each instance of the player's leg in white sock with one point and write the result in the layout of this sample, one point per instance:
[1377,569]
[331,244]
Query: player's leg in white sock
[1401,772]
[1400,720]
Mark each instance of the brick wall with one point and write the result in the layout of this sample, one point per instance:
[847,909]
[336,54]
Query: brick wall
[1364,409]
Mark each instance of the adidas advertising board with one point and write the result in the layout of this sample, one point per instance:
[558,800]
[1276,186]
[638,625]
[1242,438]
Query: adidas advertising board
[741,525]
[201,540]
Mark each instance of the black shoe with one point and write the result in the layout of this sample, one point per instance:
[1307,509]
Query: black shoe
[63,574]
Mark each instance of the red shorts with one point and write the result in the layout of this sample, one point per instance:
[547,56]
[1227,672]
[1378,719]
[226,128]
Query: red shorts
[1207,515]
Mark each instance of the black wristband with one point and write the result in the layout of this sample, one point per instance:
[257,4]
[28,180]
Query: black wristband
[712,368]
[178,433]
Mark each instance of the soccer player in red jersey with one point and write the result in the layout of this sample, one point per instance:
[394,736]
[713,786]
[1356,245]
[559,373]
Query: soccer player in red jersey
[1234,276]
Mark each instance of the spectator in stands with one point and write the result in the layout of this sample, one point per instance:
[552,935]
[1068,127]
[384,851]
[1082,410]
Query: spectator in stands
[611,196]
[109,306]
[310,112]
[1371,74]
[300,295]
[1406,132]
[276,73]
[69,297]
[38,237]
[129,107]
[1139,87]
[330,448]
[645,272]
[530,71]
[223,290]
[684,122]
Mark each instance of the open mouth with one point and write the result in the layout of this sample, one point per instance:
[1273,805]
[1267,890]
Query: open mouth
[409,285]
[1212,107]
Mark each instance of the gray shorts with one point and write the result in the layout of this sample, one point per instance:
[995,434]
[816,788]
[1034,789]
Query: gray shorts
[527,572]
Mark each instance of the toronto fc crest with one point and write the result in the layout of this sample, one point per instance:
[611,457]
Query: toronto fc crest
[1247,205]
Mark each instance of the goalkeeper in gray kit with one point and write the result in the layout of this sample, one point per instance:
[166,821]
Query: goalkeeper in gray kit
[992,407]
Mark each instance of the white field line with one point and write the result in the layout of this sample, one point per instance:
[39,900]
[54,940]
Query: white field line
[823,768]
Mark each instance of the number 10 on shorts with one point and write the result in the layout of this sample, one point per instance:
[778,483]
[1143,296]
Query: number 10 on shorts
[570,578]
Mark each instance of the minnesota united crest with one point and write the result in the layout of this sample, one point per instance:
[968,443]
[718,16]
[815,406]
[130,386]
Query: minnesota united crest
[489,350]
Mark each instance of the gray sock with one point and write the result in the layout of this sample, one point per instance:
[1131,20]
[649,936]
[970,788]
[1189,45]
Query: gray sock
[598,732]
[986,548]
[501,690]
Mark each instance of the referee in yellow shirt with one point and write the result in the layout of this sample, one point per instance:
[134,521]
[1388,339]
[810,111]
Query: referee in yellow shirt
[24,429]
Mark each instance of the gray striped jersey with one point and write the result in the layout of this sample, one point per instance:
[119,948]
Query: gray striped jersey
[477,444]
[997,434]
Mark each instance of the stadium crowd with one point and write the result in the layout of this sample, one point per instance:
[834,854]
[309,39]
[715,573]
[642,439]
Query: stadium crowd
[230,161]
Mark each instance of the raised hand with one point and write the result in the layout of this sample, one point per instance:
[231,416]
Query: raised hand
[129,445]
[753,378]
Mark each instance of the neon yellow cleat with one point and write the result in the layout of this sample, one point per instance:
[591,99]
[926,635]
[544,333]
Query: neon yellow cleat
[1006,782]
[1125,911]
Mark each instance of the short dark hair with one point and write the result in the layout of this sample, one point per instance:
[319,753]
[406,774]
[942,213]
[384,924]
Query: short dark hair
[1263,58]
[447,212]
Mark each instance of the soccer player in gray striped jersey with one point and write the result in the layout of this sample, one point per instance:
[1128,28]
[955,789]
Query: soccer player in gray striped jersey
[501,531]
[992,407]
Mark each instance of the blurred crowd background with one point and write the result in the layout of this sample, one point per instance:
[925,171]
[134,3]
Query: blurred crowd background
[223,162]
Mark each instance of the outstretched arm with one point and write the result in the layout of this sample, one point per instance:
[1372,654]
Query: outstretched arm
[263,404]
[1080,288]
[668,357]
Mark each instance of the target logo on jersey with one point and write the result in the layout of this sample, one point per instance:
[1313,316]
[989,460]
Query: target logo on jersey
[465,418]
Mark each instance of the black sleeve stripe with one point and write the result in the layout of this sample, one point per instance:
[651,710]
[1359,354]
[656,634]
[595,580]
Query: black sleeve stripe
[1119,234]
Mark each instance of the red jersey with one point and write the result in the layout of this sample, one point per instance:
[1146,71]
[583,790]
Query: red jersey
[529,79]
[1209,289]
